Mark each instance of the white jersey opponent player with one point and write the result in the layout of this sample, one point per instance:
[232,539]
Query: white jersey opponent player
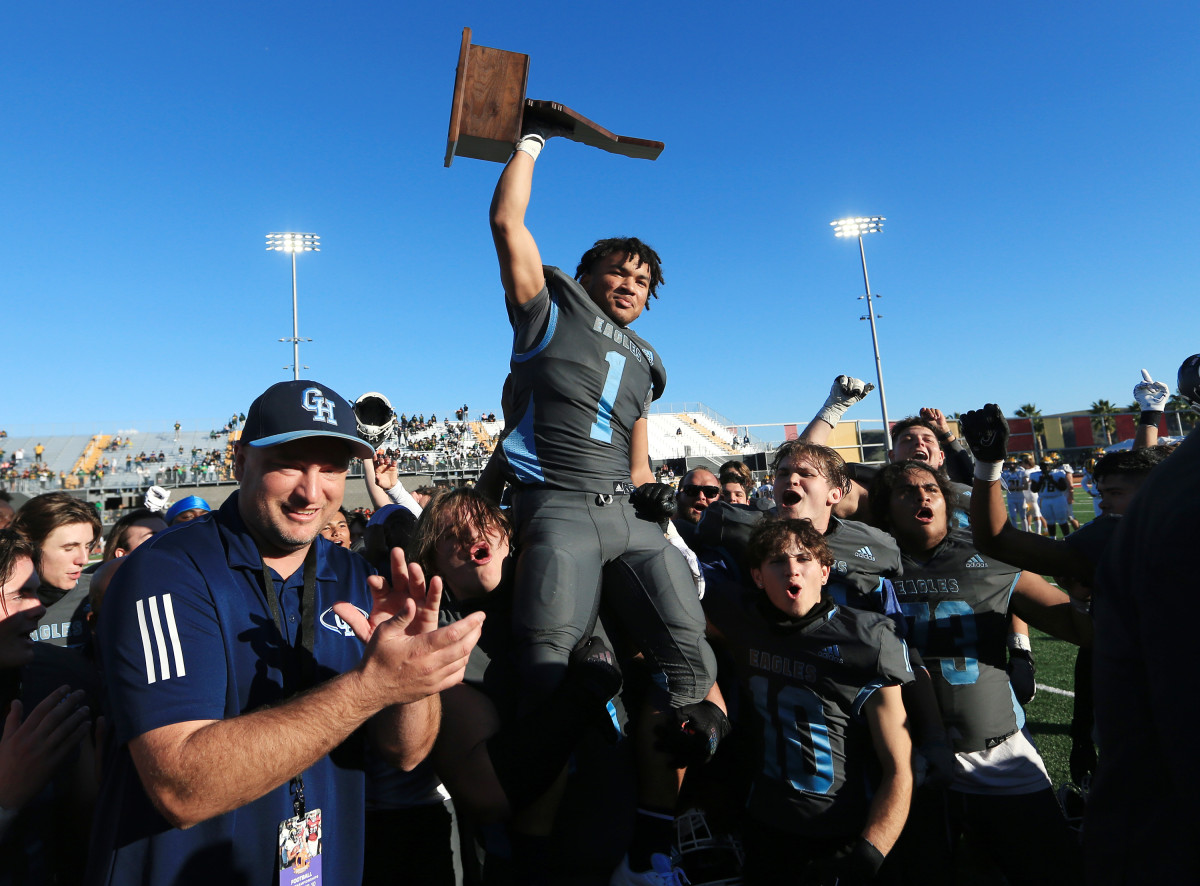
[1016,482]
[1053,486]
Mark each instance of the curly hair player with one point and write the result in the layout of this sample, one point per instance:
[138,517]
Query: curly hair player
[576,451]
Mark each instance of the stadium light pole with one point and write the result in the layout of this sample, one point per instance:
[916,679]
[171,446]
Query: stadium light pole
[856,227]
[290,241]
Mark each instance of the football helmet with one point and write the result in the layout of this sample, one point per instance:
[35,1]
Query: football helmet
[707,859]
[1188,382]
[156,499]
[376,418]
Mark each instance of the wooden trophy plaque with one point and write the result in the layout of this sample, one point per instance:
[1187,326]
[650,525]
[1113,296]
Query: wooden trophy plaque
[489,107]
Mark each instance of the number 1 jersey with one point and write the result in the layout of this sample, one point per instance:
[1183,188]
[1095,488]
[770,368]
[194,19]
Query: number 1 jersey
[577,383]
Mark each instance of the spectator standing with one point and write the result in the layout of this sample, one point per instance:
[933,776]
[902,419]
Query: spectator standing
[240,716]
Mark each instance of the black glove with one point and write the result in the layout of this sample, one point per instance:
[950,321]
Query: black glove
[856,862]
[654,502]
[986,432]
[1021,672]
[594,669]
[693,733]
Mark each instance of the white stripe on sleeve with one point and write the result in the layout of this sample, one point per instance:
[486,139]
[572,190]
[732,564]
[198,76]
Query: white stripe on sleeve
[163,664]
[146,649]
[169,612]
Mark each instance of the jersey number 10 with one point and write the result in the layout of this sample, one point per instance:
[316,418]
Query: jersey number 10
[796,738]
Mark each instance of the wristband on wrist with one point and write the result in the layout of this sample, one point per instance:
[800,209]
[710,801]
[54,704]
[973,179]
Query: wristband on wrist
[831,415]
[1019,641]
[1149,417]
[531,144]
[988,471]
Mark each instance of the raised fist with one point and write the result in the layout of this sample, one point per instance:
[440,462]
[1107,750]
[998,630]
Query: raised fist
[986,432]
[844,393]
[546,128]
[1151,395]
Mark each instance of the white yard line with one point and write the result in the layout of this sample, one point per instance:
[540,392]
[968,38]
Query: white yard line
[1055,690]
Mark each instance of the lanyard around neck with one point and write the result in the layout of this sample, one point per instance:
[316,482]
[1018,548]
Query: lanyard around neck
[299,668]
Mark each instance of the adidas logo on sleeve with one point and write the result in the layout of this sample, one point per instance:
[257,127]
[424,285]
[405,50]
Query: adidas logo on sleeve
[864,553]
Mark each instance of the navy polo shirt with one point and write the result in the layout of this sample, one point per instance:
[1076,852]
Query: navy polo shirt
[187,634]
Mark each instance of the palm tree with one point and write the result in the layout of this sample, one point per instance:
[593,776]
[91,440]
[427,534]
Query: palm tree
[1031,412]
[1102,419]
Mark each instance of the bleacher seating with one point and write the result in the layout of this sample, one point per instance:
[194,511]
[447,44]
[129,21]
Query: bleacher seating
[702,436]
[694,438]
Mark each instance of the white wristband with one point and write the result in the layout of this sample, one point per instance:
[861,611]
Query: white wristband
[531,144]
[1019,641]
[988,471]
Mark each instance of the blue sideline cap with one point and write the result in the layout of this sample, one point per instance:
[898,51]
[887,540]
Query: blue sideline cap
[291,410]
[189,503]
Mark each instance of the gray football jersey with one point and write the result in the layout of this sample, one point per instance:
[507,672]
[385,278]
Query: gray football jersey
[808,683]
[956,605]
[577,383]
[866,564]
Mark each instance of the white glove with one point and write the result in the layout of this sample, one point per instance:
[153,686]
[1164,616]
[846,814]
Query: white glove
[845,392]
[676,539]
[157,499]
[1151,395]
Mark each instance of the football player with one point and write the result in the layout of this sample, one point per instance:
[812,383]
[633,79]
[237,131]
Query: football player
[1088,483]
[956,602]
[1055,495]
[824,681]
[1016,482]
[1073,560]
[926,436]
[576,451]
[809,482]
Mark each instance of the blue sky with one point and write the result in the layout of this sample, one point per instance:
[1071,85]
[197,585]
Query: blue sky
[1036,164]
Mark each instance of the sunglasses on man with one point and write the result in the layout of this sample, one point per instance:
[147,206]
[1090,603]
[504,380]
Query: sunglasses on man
[691,489]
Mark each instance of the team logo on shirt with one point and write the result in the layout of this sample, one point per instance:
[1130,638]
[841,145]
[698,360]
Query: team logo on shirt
[976,562]
[160,638]
[330,620]
[322,408]
[832,653]
[864,553]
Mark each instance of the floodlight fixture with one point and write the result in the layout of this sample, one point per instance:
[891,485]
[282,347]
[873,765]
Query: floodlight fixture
[294,242]
[856,227]
[290,241]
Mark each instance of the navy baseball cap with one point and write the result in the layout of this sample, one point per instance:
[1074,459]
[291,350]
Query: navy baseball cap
[292,410]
